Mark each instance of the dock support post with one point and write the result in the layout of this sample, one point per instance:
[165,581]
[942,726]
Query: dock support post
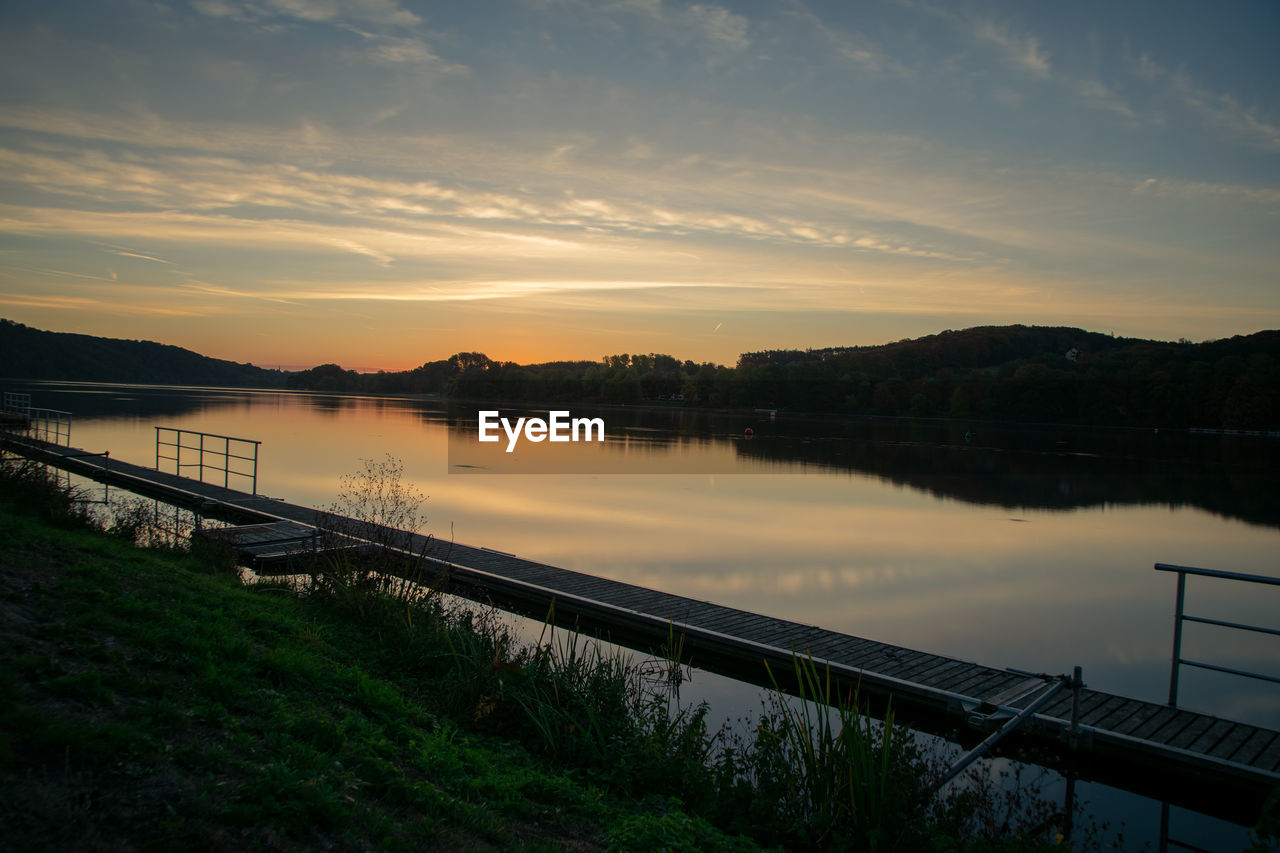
[1177,640]
[1069,808]
[1077,682]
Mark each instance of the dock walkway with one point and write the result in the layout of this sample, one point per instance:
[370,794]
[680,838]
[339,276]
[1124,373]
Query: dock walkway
[1169,752]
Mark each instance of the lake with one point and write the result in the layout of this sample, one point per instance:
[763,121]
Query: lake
[1026,547]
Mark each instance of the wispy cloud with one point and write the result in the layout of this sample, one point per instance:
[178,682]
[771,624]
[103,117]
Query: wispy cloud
[386,13]
[1019,50]
[403,50]
[124,254]
[706,25]
[1222,112]
[96,305]
[846,44]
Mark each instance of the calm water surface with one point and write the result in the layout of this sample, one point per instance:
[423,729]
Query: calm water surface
[1030,548]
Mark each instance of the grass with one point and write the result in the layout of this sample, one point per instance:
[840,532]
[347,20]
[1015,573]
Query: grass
[151,701]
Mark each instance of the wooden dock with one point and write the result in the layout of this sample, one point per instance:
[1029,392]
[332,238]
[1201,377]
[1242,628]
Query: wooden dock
[1200,761]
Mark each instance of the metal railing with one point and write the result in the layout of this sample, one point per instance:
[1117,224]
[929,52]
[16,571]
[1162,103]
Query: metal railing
[1180,616]
[205,447]
[51,425]
[16,402]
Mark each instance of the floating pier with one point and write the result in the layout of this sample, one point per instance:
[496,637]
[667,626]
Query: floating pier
[1196,760]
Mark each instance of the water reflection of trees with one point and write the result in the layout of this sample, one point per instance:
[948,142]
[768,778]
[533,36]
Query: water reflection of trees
[1009,466]
[1047,468]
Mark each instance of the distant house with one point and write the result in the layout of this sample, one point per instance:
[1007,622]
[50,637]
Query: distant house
[1073,354]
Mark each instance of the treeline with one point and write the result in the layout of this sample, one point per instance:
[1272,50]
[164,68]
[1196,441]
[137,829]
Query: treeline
[1060,375]
[474,376]
[1023,373]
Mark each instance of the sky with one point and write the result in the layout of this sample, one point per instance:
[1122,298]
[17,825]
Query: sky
[381,183]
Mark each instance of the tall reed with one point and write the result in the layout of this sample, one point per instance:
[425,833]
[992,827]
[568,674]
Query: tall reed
[846,780]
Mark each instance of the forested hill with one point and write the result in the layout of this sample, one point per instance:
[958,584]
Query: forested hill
[27,353]
[1033,373]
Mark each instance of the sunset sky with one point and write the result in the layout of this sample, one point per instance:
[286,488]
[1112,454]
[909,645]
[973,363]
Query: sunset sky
[380,184]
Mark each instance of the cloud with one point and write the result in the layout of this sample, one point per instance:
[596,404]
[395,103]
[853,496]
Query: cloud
[122,253]
[114,305]
[403,50]
[707,24]
[1021,51]
[384,13]
[1092,93]
[377,22]
[847,45]
[230,189]
[1221,112]
[718,25]
[1025,55]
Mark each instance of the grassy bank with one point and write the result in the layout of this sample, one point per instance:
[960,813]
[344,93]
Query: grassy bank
[151,701]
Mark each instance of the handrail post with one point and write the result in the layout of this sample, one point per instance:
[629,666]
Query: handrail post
[1177,640]
[1077,682]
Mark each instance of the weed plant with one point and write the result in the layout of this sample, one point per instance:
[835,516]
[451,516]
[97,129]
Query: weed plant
[31,485]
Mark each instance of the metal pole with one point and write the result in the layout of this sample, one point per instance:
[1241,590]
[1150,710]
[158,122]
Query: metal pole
[226,462]
[1076,683]
[1069,808]
[157,448]
[1177,640]
[991,740]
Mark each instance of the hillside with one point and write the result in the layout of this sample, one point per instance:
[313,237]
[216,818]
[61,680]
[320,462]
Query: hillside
[1030,373]
[28,353]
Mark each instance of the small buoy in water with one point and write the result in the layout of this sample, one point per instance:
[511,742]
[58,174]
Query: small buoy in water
[750,432]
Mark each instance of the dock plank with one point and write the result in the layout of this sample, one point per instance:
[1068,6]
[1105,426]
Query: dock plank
[1190,732]
[1129,709]
[1226,747]
[1269,757]
[1171,728]
[1254,746]
[1210,737]
[1090,715]
[1155,722]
